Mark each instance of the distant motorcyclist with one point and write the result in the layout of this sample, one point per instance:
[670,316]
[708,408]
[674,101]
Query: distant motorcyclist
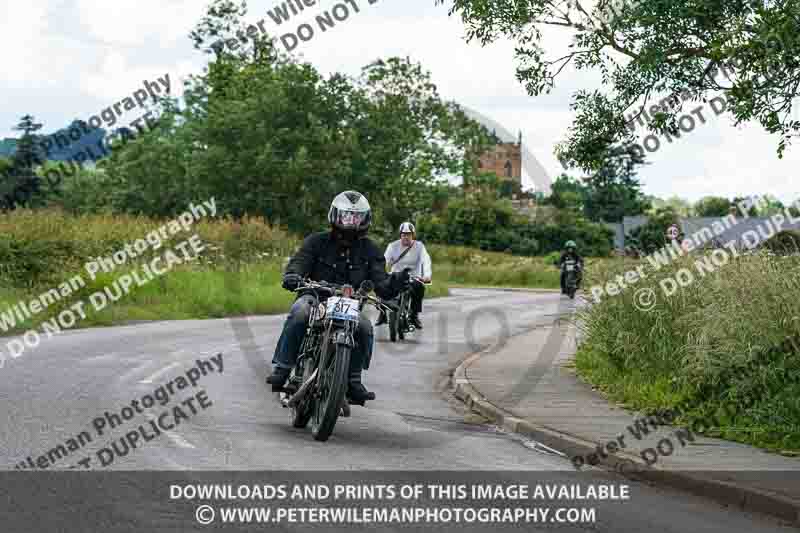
[409,253]
[570,252]
[343,255]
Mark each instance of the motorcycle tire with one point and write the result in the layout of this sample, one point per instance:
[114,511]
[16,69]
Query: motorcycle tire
[402,327]
[393,326]
[301,414]
[328,404]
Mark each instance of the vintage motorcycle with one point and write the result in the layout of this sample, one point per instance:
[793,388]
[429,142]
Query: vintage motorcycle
[399,322]
[315,390]
[572,269]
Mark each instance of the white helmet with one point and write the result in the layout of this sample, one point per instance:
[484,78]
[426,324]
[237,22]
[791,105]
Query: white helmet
[408,227]
[350,212]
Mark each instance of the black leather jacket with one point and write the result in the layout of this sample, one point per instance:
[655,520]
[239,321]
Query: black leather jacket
[323,258]
[565,255]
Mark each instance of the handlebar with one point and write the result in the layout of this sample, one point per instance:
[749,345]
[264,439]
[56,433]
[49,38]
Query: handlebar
[338,290]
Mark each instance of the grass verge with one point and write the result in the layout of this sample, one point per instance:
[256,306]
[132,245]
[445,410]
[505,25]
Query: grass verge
[725,347]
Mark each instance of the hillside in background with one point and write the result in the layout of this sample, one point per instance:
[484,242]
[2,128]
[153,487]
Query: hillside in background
[88,140]
[7,147]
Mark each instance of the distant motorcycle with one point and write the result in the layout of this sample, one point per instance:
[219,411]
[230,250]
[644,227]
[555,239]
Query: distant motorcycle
[315,390]
[572,269]
[399,321]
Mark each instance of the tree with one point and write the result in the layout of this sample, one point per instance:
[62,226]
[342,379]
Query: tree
[653,55]
[20,184]
[613,192]
[770,206]
[568,193]
[28,153]
[510,188]
[740,201]
[712,206]
[270,136]
[681,206]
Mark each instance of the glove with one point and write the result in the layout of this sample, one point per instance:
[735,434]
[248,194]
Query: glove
[291,281]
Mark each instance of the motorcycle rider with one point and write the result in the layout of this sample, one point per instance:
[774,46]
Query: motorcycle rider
[570,252]
[409,253]
[342,255]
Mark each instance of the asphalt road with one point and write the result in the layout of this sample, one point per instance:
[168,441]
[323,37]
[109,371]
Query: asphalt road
[54,392]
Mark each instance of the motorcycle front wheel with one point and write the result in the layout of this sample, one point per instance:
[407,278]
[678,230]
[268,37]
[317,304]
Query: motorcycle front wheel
[331,389]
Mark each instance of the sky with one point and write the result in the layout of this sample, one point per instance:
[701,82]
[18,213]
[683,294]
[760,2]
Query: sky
[73,58]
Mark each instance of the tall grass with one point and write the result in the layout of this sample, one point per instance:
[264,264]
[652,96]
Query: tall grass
[238,273]
[726,347]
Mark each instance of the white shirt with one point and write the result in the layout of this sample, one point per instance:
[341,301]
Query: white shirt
[417,259]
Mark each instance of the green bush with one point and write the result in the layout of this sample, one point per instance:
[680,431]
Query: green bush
[493,225]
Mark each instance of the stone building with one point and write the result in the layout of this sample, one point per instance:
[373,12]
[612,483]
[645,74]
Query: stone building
[504,159]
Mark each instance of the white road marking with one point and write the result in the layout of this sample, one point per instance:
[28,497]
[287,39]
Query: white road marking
[174,437]
[135,370]
[157,374]
[99,358]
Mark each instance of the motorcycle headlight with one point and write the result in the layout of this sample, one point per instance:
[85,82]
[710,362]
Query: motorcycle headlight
[321,311]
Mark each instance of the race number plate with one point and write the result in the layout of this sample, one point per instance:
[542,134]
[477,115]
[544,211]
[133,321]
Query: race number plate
[570,266]
[342,308]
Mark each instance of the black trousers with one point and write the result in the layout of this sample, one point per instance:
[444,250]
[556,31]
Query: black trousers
[417,294]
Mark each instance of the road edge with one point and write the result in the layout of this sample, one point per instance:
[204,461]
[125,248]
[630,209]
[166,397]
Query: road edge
[630,466]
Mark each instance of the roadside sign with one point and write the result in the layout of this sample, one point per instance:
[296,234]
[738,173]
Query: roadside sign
[673,232]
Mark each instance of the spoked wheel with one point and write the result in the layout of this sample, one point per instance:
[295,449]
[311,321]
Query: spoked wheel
[301,414]
[394,322]
[331,390]
[405,309]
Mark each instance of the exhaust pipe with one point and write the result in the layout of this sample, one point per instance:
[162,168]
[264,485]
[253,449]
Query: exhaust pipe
[298,396]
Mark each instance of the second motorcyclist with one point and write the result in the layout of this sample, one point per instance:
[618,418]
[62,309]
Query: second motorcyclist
[408,253]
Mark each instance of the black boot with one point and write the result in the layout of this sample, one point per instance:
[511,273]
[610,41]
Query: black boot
[381,319]
[278,378]
[357,392]
[414,319]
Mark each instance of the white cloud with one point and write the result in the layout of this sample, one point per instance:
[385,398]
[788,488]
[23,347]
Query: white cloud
[35,57]
[159,22]
[117,78]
